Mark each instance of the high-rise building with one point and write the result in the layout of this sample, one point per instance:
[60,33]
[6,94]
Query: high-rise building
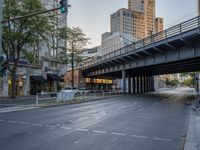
[159,24]
[147,7]
[128,22]
[112,41]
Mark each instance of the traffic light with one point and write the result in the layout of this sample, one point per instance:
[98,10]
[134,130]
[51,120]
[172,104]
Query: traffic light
[64,6]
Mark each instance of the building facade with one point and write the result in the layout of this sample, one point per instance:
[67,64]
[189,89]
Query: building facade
[147,7]
[159,24]
[112,41]
[128,22]
[46,72]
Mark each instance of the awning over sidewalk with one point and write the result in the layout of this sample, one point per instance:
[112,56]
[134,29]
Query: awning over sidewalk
[53,77]
[38,78]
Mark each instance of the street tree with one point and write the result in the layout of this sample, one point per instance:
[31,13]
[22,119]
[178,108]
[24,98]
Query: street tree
[76,41]
[20,36]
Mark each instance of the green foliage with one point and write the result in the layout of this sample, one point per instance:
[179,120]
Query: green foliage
[76,41]
[172,82]
[187,82]
[20,36]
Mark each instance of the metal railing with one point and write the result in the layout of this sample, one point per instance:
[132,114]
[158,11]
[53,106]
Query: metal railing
[74,97]
[163,35]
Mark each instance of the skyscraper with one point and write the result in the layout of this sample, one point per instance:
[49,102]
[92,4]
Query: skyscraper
[147,7]
[128,22]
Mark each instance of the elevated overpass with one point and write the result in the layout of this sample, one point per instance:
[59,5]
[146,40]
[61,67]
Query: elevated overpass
[173,50]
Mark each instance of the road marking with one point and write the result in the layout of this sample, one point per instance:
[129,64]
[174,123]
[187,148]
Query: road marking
[36,124]
[25,123]
[50,126]
[140,110]
[10,121]
[139,136]
[96,131]
[85,130]
[161,139]
[121,134]
[66,128]
[76,142]
[2,120]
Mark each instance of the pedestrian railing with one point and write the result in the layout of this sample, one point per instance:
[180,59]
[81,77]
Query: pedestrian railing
[74,97]
[179,29]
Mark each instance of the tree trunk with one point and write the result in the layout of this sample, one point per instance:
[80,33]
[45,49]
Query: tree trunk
[13,78]
[72,63]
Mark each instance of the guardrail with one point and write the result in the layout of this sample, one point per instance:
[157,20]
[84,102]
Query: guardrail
[73,97]
[163,35]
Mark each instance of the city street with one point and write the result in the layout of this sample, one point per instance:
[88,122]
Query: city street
[136,122]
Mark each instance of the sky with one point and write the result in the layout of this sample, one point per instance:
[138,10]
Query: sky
[93,16]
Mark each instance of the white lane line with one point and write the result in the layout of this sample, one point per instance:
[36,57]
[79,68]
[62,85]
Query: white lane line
[155,103]
[76,142]
[141,109]
[67,128]
[50,126]
[2,120]
[96,131]
[120,134]
[24,123]
[139,136]
[36,124]
[85,130]
[162,139]
[10,121]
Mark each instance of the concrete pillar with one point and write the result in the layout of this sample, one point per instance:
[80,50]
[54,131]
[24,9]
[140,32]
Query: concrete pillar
[123,82]
[145,84]
[152,83]
[5,85]
[133,85]
[27,85]
[129,83]
[141,85]
[138,84]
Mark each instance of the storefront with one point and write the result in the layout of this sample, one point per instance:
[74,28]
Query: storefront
[37,84]
[98,84]
[53,82]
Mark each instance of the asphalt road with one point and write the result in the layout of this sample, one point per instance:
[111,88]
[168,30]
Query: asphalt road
[138,122]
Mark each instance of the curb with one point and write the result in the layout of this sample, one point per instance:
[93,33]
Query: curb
[190,142]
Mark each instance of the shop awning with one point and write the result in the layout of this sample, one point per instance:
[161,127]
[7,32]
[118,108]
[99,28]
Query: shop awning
[38,78]
[53,77]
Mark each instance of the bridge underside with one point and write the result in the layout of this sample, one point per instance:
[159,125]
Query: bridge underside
[176,54]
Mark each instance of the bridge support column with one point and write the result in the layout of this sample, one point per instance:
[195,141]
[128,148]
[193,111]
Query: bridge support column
[129,83]
[138,84]
[133,85]
[145,84]
[123,82]
[152,83]
[141,84]
[148,83]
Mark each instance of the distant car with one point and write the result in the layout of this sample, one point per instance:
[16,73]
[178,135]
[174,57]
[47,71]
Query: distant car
[67,89]
[83,91]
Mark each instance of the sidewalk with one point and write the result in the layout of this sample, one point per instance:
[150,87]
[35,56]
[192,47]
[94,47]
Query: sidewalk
[193,134]
[17,97]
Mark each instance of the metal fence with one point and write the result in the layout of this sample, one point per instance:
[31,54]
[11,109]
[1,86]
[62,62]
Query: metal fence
[163,35]
[45,99]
